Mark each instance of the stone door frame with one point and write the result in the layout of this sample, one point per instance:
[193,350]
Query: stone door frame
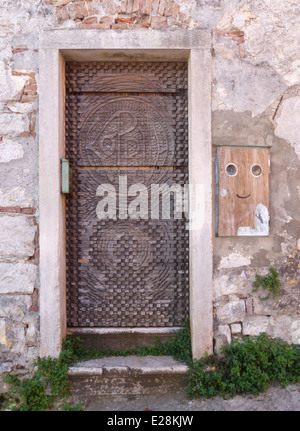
[57,46]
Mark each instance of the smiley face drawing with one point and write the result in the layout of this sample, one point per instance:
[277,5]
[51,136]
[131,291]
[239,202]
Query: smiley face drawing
[243,191]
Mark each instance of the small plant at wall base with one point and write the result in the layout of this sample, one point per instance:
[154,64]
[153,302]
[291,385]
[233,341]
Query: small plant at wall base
[269,282]
[249,365]
[46,388]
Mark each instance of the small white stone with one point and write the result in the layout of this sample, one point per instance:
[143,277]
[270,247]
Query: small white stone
[236,328]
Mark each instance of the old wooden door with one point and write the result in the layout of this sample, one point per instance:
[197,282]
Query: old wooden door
[126,128]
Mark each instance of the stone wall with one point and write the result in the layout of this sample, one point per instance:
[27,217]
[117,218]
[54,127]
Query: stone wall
[256,101]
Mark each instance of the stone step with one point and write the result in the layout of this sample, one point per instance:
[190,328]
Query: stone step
[121,338]
[131,375]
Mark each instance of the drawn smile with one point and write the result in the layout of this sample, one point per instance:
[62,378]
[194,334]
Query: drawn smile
[243,197]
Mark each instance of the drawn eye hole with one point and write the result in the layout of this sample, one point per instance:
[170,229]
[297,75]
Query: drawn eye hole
[231,169]
[256,170]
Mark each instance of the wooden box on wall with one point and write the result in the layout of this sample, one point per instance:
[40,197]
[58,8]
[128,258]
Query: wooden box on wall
[242,191]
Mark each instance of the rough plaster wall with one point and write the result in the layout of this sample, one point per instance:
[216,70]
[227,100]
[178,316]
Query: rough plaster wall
[256,101]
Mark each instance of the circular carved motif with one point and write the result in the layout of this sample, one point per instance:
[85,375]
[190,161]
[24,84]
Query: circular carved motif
[123,245]
[129,132]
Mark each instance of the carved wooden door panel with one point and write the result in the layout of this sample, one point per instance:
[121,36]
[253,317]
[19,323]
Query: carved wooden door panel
[126,130]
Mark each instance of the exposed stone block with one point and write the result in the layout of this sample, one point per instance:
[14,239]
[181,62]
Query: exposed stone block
[108,19]
[59,3]
[125,19]
[13,124]
[15,197]
[169,9]
[158,21]
[231,285]
[162,5]
[249,306]
[283,326]
[102,26]
[231,312]
[236,328]
[64,13]
[234,260]
[91,20]
[11,85]
[14,308]
[20,107]
[17,234]
[3,335]
[155,5]
[254,325]
[123,5]
[17,277]
[222,338]
[10,150]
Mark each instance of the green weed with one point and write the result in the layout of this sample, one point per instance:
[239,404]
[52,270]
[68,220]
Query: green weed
[269,282]
[249,365]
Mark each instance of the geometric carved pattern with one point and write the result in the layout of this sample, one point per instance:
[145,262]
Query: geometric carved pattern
[126,272]
[108,77]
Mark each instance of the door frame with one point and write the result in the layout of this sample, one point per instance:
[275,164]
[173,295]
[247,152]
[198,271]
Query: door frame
[58,46]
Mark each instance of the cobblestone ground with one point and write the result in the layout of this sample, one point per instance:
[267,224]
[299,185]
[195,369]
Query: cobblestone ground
[275,399]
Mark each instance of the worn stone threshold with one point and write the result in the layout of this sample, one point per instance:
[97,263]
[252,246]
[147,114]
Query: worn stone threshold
[129,375]
[130,365]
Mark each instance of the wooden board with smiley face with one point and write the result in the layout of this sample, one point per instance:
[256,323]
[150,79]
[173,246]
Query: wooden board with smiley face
[243,191]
